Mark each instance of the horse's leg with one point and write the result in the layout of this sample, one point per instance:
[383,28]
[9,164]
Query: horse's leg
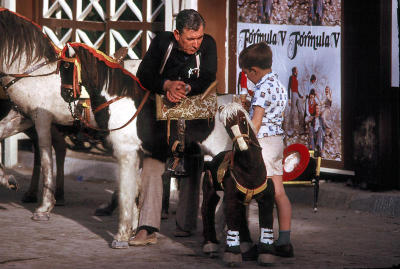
[7,180]
[233,211]
[129,183]
[108,209]
[60,148]
[30,196]
[210,201]
[11,124]
[42,121]
[266,220]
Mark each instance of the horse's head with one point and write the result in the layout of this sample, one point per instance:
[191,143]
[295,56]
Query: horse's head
[70,69]
[238,125]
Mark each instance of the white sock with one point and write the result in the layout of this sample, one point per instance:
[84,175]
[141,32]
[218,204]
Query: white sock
[267,236]
[232,238]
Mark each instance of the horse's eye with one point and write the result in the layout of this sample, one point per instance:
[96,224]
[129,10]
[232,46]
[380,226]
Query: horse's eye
[66,65]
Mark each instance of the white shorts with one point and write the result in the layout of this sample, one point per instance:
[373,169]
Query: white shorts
[272,152]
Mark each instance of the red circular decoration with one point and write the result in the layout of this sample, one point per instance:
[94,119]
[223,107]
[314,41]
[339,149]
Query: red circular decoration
[301,166]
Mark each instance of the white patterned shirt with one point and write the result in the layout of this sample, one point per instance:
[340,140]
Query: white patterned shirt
[270,94]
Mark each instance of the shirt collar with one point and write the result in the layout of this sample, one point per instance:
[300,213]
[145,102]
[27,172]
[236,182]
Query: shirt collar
[264,78]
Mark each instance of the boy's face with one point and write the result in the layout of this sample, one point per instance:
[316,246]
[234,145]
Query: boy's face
[252,74]
[189,40]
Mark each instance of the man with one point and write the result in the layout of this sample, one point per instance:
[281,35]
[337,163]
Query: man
[294,97]
[178,64]
[317,131]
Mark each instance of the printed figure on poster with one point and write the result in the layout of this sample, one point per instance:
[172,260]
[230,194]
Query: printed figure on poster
[307,57]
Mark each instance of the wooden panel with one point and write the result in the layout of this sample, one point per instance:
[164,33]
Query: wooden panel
[214,13]
[232,45]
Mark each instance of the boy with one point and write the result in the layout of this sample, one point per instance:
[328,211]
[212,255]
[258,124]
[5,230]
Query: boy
[266,112]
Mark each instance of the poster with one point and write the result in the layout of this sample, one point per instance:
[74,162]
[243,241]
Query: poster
[305,35]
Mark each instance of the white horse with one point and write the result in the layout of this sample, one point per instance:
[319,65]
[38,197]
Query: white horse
[25,50]
[28,64]
[109,84]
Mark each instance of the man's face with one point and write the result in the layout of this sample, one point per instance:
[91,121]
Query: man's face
[327,90]
[189,41]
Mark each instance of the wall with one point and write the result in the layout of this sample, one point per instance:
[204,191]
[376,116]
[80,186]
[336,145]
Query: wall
[371,105]
[215,16]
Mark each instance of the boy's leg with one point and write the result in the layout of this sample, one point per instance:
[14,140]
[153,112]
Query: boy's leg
[273,154]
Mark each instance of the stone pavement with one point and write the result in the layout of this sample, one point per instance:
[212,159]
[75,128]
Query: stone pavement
[352,228]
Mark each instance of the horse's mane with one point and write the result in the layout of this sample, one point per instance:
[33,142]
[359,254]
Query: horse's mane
[21,36]
[101,70]
[230,110]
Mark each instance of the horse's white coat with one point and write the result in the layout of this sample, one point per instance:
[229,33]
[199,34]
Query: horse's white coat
[126,146]
[219,139]
[39,98]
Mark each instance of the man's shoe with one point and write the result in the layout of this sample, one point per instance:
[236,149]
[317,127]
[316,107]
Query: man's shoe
[181,233]
[284,250]
[149,240]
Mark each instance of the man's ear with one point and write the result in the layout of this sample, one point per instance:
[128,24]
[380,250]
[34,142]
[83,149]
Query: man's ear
[176,35]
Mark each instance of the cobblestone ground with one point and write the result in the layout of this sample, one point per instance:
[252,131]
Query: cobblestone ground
[74,238]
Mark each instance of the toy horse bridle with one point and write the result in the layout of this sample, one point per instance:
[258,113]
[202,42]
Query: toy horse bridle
[246,138]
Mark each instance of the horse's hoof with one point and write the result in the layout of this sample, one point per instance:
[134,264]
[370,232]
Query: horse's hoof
[119,244]
[41,216]
[266,259]
[103,211]
[12,183]
[210,247]
[232,259]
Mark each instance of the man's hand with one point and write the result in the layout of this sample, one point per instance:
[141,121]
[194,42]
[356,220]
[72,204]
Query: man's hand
[174,90]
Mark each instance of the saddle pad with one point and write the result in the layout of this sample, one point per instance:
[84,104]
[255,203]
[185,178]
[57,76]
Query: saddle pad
[190,108]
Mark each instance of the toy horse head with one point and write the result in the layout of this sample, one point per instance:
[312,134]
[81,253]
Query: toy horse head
[238,124]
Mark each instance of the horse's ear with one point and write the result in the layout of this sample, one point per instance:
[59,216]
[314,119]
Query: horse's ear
[71,51]
[220,108]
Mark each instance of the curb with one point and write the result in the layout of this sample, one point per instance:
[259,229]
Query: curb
[338,195]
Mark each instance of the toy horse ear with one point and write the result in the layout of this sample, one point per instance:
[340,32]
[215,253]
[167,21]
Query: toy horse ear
[71,51]
[220,108]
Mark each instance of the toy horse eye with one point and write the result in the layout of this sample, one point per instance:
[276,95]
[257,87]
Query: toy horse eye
[66,65]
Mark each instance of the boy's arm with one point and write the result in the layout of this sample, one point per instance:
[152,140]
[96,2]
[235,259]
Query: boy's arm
[258,115]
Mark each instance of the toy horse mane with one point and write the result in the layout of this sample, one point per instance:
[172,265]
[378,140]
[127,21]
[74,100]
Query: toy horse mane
[230,111]
[21,36]
[105,70]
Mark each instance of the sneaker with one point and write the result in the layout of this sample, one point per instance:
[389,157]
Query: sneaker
[284,250]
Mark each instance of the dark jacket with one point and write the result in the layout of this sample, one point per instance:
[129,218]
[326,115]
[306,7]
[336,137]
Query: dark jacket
[178,64]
